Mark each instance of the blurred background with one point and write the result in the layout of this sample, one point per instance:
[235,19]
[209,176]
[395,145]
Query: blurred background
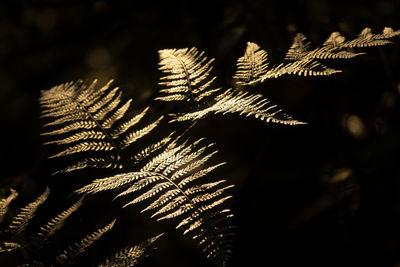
[324,194]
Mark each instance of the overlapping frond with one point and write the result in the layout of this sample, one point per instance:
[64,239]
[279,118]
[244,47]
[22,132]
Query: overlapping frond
[5,203]
[173,183]
[252,68]
[130,256]
[69,254]
[85,118]
[21,220]
[187,69]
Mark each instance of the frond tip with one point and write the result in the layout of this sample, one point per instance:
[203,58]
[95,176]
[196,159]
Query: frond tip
[130,256]
[174,184]
[22,219]
[73,251]
[57,222]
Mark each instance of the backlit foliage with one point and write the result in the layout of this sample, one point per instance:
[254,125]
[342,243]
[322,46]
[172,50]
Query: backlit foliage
[168,177]
[85,118]
[172,184]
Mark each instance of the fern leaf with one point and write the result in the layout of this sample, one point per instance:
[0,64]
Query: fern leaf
[130,256]
[299,48]
[252,65]
[21,220]
[187,74]
[73,251]
[86,118]
[9,246]
[169,179]
[5,203]
[57,222]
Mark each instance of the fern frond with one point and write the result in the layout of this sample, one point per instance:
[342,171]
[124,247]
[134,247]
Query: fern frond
[187,74]
[21,220]
[57,222]
[252,68]
[73,251]
[299,48]
[188,68]
[252,65]
[87,118]
[130,256]
[5,203]
[172,180]
[9,246]
[244,104]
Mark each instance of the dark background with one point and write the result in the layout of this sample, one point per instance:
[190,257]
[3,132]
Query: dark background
[325,194]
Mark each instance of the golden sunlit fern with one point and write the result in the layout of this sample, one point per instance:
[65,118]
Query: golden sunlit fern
[253,67]
[13,237]
[174,185]
[188,79]
[85,118]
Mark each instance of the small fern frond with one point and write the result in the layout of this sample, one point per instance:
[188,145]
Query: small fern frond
[5,203]
[69,254]
[244,104]
[130,256]
[57,222]
[21,220]
[172,180]
[85,118]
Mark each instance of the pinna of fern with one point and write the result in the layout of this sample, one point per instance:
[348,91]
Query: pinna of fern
[187,77]
[253,66]
[11,238]
[173,185]
[84,118]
